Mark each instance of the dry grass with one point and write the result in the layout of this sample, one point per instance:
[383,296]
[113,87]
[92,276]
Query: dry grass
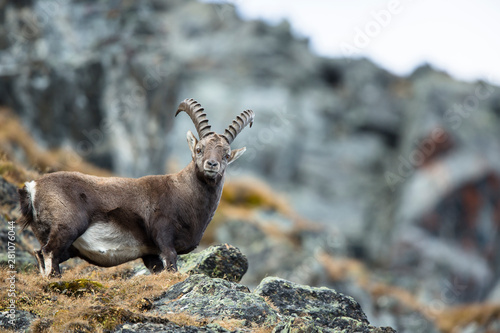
[251,193]
[92,299]
[14,138]
[245,198]
[88,296]
[451,320]
[13,172]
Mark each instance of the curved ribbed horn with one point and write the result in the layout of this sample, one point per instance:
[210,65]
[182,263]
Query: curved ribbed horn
[198,116]
[245,118]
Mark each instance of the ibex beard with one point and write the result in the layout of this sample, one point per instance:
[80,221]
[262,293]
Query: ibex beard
[108,221]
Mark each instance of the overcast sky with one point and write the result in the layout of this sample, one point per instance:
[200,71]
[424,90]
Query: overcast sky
[461,37]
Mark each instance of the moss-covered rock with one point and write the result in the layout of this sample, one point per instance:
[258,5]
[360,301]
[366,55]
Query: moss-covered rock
[216,299]
[220,261]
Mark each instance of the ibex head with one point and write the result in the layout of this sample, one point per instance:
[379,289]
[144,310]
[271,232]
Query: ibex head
[212,152]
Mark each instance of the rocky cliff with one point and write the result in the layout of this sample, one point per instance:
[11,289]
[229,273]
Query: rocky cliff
[400,174]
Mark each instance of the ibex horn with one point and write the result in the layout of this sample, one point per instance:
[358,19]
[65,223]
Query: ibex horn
[245,118]
[197,114]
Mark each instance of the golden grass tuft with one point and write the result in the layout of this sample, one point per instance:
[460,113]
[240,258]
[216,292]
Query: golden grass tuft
[453,319]
[13,172]
[251,193]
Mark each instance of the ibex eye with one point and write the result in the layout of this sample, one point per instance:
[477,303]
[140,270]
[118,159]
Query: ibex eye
[198,150]
[228,155]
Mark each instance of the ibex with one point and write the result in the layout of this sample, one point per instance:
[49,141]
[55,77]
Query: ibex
[108,221]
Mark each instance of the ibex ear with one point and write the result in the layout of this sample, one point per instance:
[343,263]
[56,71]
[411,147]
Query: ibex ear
[192,141]
[235,154]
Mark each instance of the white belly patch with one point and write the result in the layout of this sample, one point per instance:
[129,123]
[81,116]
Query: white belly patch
[108,245]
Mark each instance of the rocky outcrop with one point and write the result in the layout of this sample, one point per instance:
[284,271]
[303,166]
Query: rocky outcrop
[275,303]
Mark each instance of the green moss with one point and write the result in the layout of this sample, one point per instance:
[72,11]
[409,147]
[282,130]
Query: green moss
[77,287]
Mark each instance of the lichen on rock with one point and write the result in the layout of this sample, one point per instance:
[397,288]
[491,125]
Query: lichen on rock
[313,309]
[322,304]
[216,299]
[276,304]
[220,261]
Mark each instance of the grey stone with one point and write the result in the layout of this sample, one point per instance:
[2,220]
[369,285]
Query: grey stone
[167,328]
[322,305]
[219,261]
[216,299]
[22,320]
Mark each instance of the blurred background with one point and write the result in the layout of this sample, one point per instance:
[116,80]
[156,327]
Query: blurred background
[373,166]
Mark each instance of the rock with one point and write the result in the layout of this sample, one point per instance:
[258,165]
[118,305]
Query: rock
[220,261]
[216,299]
[322,304]
[275,303]
[341,324]
[8,194]
[310,308]
[152,327]
[22,320]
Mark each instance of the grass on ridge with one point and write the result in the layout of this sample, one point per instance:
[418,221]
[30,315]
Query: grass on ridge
[87,297]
